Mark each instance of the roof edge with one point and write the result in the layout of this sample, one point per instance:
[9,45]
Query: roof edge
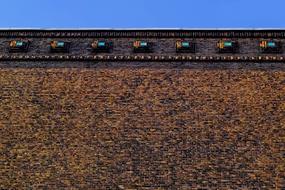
[141,29]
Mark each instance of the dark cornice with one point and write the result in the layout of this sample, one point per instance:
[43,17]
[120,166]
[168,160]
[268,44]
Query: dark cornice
[143,33]
[140,33]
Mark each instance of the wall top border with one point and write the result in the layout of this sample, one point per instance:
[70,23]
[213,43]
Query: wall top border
[143,33]
[161,29]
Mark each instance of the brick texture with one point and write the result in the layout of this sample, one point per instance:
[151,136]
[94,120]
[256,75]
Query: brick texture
[142,128]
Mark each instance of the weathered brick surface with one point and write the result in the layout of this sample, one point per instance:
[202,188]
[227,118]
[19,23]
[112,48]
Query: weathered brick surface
[142,128]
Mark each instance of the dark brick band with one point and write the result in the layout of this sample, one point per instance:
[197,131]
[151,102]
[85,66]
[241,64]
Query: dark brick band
[145,33]
[150,58]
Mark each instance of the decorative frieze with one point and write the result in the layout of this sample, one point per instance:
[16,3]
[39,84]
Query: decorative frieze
[169,45]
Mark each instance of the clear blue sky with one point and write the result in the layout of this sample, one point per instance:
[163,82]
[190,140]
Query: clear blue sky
[142,13]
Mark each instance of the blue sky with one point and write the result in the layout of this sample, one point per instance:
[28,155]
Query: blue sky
[142,13]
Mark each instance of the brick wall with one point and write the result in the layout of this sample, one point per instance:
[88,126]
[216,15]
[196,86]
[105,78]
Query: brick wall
[142,125]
